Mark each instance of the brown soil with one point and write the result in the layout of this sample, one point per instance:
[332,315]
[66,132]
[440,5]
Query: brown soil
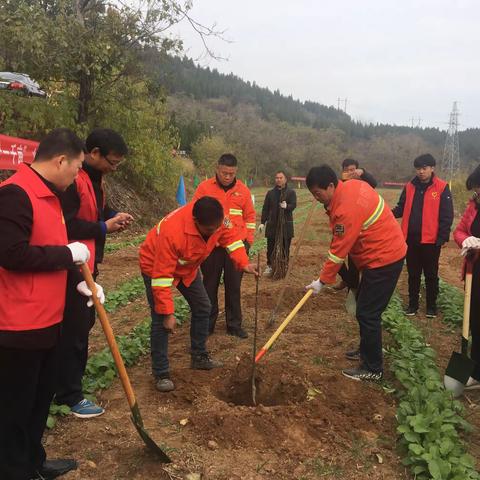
[309,421]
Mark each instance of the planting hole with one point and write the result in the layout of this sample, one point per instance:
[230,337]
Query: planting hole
[274,386]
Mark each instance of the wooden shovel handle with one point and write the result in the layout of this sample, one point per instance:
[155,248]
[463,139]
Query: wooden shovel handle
[298,243]
[107,329]
[282,326]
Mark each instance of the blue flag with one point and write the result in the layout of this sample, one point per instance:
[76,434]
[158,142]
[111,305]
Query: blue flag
[181,194]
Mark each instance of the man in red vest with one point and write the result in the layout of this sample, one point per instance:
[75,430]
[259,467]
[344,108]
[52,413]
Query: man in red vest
[426,209]
[89,219]
[34,258]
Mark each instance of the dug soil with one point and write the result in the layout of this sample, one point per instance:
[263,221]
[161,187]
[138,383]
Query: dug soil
[309,421]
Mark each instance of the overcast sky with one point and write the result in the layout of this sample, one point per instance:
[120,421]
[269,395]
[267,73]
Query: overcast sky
[392,60]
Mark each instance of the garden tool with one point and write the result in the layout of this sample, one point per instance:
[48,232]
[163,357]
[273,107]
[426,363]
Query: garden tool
[122,372]
[271,320]
[254,386]
[460,367]
[282,326]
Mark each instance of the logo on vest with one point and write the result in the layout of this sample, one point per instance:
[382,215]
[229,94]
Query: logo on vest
[339,229]
[434,194]
[227,223]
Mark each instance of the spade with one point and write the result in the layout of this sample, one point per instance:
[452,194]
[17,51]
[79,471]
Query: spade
[460,367]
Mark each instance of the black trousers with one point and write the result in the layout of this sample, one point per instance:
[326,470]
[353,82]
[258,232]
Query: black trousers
[78,320]
[271,246]
[350,275]
[217,262]
[27,379]
[475,320]
[423,258]
[374,292]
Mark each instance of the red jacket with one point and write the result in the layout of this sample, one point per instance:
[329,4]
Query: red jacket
[174,249]
[88,209]
[363,227]
[236,202]
[34,300]
[431,209]
[464,226]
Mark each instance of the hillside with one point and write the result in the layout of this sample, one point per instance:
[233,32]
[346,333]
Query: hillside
[271,130]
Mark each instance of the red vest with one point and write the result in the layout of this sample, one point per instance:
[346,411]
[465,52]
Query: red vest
[88,210]
[34,300]
[431,209]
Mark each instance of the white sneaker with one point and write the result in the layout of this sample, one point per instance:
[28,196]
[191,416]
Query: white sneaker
[268,271]
[472,384]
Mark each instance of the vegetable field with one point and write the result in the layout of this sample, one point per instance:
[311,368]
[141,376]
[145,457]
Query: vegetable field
[310,422]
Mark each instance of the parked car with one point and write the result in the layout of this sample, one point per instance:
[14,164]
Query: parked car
[20,83]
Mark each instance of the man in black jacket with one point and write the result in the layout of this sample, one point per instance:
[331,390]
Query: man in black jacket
[88,219]
[426,208]
[280,197]
[351,170]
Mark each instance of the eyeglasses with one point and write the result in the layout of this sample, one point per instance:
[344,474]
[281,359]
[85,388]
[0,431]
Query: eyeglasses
[114,163]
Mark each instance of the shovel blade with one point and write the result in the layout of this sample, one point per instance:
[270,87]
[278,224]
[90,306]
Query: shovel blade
[459,369]
[138,423]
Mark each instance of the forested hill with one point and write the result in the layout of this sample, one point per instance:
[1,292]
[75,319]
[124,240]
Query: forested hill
[181,75]
[272,130]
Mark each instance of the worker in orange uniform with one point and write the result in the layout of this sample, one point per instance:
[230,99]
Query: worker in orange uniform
[171,255]
[239,211]
[364,228]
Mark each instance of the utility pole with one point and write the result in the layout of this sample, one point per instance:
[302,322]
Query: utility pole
[345,106]
[451,152]
[339,102]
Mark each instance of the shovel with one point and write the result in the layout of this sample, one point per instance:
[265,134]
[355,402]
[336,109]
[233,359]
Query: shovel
[254,386]
[460,367]
[122,372]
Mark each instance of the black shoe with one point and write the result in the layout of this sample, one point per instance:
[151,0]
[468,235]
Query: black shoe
[431,312]
[237,332]
[361,373]
[56,468]
[353,355]
[202,361]
[410,311]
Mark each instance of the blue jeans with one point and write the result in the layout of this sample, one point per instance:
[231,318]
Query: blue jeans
[199,303]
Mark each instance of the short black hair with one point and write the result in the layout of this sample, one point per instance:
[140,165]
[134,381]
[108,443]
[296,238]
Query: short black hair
[282,172]
[349,161]
[473,180]
[60,141]
[321,177]
[208,211]
[228,159]
[106,140]
[425,160]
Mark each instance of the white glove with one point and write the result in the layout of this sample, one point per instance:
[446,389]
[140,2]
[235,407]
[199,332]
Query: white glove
[80,252]
[316,286]
[261,228]
[84,290]
[283,204]
[469,243]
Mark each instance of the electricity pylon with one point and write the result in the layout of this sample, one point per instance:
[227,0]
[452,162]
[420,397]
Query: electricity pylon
[451,152]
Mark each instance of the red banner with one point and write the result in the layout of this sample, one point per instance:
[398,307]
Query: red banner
[14,151]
